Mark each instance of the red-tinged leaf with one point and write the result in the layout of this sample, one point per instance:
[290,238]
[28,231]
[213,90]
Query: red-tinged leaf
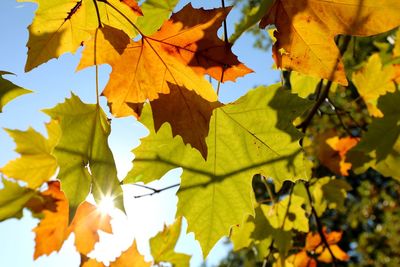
[179,54]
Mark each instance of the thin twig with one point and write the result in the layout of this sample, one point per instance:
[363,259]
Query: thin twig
[155,191]
[325,91]
[319,225]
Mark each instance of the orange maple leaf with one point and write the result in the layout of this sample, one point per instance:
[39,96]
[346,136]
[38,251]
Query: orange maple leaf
[177,56]
[306,31]
[315,246]
[53,229]
[332,152]
[130,257]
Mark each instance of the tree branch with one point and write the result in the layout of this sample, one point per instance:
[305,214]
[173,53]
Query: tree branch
[155,191]
[319,225]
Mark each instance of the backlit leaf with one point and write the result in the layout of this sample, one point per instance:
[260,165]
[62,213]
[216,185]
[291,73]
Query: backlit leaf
[13,199]
[372,81]
[286,218]
[83,155]
[177,56]
[163,245]
[36,164]
[9,91]
[155,12]
[62,26]
[244,139]
[53,229]
[306,31]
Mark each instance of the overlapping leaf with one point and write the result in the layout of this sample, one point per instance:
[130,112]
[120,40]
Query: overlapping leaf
[130,257]
[61,26]
[8,90]
[83,155]
[380,146]
[372,81]
[155,12]
[245,138]
[287,214]
[177,56]
[314,245]
[54,229]
[13,199]
[37,163]
[306,31]
[332,150]
[163,245]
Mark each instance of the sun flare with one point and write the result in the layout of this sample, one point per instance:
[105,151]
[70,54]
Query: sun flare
[106,205]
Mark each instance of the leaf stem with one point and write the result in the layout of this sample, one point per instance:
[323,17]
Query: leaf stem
[100,25]
[124,16]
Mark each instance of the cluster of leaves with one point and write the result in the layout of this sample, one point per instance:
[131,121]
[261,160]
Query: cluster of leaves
[159,63]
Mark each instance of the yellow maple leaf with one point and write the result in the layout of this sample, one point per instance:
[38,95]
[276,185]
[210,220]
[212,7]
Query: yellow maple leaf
[373,81]
[306,30]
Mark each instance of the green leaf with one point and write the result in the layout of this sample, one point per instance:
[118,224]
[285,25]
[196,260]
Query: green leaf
[280,217]
[83,155]
[13,199]
[255,231]
[303,85]
[372,141]
[373,81]
[245,138]
[250,19]
[329,193]
[163,244]
[9,91]
[36,164]
[155,12]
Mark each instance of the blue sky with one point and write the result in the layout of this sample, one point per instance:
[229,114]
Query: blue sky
[51,83]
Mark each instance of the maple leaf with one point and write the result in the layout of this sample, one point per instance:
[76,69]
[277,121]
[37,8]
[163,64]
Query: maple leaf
[61,26]
[36,164]
[379,148]
[13,199]
[373,81]
[282,217]
[53,229]
[332,150]
[128,258]
[306,31]
[163,244]
[243,140]
[254,231]
[329,193]
[83,154]
[178,55]
[315,246]
[155,12]
[9,91]
[188,114]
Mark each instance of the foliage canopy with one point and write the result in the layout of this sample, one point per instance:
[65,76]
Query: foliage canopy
[269,170]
